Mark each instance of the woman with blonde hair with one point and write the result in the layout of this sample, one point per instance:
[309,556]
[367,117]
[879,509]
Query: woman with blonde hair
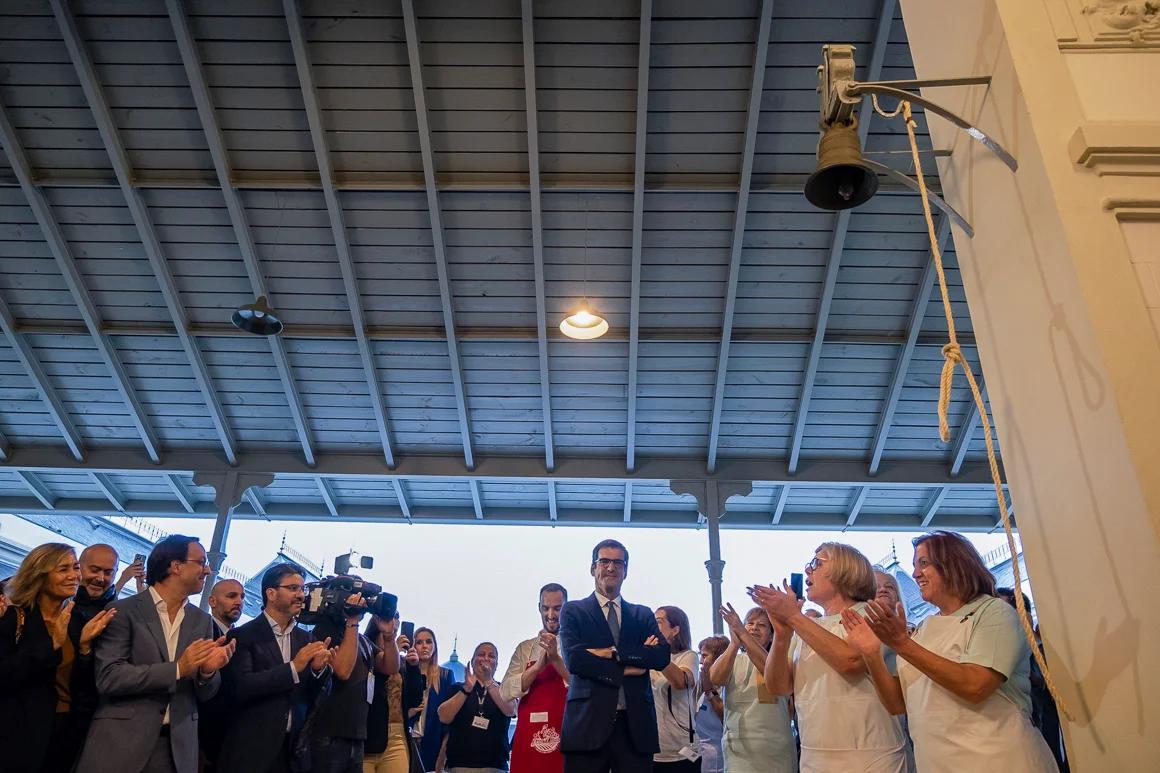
[843,725]
[757,736]
[39,661]
[440,681]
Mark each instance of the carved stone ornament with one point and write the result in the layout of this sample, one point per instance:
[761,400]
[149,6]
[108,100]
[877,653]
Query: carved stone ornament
[1102,25]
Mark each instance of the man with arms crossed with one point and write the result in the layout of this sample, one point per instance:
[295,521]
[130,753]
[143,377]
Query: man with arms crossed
[538,678]
[154,662]
[609,722]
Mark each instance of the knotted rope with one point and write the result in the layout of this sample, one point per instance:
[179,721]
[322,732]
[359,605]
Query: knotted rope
[952,356]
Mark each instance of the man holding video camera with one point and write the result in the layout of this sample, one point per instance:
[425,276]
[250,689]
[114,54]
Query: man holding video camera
[339,728]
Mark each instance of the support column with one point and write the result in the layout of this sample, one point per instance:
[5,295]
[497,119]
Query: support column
[1063,282]
[711,497]
[229,488]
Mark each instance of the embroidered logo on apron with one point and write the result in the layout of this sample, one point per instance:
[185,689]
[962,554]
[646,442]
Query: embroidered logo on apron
[546,740]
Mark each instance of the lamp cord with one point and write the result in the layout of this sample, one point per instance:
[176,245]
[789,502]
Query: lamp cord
[953,355]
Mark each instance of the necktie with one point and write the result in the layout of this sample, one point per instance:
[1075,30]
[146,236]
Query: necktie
[614,622]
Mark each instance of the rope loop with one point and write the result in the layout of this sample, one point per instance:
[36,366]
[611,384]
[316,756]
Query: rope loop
[952,356]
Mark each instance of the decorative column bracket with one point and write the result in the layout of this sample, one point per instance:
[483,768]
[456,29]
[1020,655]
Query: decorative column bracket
[712,496]
[229,488]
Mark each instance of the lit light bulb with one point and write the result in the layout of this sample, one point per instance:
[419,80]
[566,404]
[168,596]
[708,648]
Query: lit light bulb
[584,325]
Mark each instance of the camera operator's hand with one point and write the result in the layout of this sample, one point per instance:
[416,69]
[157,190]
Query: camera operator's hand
[387,627]
[355,600]
[309,653]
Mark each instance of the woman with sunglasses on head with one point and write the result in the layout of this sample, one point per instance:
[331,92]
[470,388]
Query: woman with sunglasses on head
[757,735]
[40,662]
[440,686]
[963,677]
[843,725]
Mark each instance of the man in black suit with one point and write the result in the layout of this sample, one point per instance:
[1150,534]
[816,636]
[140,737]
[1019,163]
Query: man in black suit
[609,721]
[274,674]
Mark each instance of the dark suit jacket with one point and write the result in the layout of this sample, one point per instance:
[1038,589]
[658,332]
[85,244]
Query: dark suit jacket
[262,691]
[136,681]
[590,711]
[28,691]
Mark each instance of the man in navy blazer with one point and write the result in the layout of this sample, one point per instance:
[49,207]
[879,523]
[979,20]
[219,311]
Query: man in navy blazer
[272,679]
[609,719]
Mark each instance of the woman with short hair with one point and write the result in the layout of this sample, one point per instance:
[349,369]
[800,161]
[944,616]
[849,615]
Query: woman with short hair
[963,677]
[39,661]
[842,724]
[757,735]
[478,718]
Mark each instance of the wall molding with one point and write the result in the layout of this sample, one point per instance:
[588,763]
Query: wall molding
[1118,148]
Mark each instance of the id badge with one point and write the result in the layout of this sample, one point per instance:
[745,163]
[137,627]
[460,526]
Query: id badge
[370,688]
[538,717]
[690,753]
[480,723]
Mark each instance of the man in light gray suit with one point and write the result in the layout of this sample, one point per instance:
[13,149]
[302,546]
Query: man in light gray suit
[153,667]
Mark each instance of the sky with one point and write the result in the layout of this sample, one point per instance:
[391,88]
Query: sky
[480,582]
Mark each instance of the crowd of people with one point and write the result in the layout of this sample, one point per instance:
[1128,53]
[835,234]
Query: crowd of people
[152,683]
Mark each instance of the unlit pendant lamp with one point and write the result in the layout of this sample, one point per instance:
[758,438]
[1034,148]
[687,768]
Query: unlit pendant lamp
[257,318]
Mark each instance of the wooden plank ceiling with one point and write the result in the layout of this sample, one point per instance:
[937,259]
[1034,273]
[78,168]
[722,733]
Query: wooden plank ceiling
[423,190]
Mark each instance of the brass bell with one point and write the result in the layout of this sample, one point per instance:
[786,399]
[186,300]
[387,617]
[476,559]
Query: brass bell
[842,179]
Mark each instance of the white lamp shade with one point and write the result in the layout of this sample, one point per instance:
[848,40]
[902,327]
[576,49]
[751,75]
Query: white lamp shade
[584,325]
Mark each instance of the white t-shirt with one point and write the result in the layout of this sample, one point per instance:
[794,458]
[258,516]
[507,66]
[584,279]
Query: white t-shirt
[673,726]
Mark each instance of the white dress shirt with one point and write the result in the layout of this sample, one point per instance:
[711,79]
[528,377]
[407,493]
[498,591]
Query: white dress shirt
[282,636]
[172,630]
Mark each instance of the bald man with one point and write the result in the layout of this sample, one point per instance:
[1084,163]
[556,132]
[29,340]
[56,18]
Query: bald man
[226,599]
[97,590]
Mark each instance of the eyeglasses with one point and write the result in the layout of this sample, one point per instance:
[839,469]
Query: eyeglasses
[815,563]
[202,562]
[292,588]
[619,563]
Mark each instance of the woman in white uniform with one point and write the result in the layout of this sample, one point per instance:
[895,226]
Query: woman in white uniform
[963,677]
[674,690]
[757,735]
[842,724]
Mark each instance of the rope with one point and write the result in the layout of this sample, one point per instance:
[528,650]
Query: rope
[952,356]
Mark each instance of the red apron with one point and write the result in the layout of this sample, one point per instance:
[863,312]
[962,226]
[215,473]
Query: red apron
[536,745]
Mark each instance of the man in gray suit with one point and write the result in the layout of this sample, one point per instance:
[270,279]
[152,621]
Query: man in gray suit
[153,667]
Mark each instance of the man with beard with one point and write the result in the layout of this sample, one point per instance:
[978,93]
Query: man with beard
[225,604]
[538,678]
[98,565]
[273,678]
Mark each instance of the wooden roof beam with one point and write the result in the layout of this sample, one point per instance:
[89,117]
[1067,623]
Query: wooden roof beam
[476,498]
[641,148]
[902,362]
[838,244]
[445,297]
[119,160]
[757,86]
[109,490]
[237,212]
[856,506]
[62,253]
[337,223]
[34,484]
[966,433]
[930,509]
[779,504]
[181,493]
[527,14]
[401,495]
[328,496]
[40,382]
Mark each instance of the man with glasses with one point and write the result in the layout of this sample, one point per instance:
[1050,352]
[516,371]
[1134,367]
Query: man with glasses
[273,679]
[609,721]
[157,659]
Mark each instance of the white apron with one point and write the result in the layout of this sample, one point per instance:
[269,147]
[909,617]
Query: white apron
[843,725]
[952,735]
[757,736]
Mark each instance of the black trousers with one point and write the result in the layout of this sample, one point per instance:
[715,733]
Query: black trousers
[617,755]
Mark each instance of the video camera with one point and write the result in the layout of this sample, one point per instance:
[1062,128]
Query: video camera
[326,599]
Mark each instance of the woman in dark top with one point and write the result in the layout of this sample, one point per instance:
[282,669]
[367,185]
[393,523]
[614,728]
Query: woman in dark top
[38,662]
[389,747]
[478,717]
[440,685]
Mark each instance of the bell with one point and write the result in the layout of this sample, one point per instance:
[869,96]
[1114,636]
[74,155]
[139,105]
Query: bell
[257,318]
[842,179]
